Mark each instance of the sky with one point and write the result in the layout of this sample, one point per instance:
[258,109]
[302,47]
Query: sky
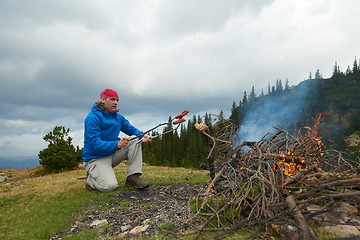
[161,56]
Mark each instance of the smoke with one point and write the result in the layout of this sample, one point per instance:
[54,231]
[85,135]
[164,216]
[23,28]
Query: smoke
[282,110]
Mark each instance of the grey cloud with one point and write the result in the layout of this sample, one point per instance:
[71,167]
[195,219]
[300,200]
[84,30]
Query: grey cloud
[161,56]
[186,17]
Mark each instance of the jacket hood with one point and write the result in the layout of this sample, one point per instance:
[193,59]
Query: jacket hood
[100,105]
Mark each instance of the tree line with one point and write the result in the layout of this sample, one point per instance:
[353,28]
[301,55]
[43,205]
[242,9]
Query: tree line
[188,147]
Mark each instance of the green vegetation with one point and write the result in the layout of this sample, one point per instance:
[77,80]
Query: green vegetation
[166,226]
[41,206]
[337,99]
[60,154]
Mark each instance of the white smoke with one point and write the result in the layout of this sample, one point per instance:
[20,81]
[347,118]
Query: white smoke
[282,111]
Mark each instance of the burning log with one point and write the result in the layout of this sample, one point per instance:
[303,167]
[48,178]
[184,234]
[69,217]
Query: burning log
[271,182]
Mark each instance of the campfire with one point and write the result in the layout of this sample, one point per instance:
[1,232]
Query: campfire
[280,183]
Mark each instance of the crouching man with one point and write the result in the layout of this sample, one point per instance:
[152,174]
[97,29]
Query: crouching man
[103,149]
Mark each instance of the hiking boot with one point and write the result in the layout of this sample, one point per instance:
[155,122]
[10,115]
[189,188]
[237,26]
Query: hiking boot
[88,187]
[135,181]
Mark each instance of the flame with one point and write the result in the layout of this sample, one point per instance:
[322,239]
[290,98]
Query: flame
[292,161]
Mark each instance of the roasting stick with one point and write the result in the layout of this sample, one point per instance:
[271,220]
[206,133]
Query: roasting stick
[177,122]
[140,141]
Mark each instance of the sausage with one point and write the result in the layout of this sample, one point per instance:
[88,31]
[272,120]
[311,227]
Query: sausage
[181,120]
[179,116]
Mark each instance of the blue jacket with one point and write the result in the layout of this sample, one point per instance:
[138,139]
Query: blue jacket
[102,131]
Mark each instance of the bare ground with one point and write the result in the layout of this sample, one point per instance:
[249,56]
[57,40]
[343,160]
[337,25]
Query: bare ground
[150,208]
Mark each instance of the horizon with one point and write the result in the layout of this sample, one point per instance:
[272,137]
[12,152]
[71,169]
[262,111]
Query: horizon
[161,57]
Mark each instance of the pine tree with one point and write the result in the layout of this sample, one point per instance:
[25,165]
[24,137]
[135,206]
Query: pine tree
[252,96]
[318,75]
[60,153]
[279,87]
[262,93]
[245,99]
[235,114]
[355,66]
[287,84]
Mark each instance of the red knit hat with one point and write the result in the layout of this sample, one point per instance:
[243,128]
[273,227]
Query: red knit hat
[108,93]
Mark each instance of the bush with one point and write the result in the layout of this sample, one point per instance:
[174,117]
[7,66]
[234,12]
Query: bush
[60,154]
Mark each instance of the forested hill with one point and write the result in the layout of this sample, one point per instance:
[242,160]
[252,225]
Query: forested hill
[337,99]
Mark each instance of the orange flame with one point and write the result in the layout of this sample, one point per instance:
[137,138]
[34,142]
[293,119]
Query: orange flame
[289,162]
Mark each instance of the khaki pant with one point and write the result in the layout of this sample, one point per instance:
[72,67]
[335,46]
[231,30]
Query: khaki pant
[100,171]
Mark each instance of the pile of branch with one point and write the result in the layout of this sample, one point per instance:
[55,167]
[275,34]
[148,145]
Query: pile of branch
[268,184]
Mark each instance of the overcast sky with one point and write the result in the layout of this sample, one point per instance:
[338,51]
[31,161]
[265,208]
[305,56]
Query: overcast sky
[162,57]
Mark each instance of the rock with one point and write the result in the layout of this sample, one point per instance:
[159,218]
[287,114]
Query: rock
[98,223]
[342,230]
[144,228]
[125,228]
[136,230]
[3,178]
[347,208]
[145,222]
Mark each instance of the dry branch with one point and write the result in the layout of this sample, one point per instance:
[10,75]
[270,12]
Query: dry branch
[264,183]
[305,232]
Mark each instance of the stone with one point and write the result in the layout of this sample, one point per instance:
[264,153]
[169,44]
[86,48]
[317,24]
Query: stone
[99,223]
[342,230]
[144,228]
[125,228]
[3,178]
[345,207]
[136,230]
[146,221]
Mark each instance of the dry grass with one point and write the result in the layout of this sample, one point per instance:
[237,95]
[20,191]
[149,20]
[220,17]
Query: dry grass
[33,207]
[22,182]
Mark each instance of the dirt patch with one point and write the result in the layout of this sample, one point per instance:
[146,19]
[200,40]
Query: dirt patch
[147,210]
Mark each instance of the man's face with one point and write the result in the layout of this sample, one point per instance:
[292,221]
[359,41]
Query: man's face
[110,104]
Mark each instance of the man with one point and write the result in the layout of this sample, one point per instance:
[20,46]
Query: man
[103,149]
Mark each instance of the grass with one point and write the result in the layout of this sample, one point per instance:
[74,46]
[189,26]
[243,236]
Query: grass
[36,207]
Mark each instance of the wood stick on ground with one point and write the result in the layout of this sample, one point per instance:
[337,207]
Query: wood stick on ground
[305,232]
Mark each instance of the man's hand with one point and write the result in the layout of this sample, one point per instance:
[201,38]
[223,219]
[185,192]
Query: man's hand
[123,142]
[147,138]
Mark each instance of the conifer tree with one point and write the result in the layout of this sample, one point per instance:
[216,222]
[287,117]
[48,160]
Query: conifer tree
[245,99]
[60,153]
[279,87]
[287,84]
[252,96]
[262,93]
[355,66]
[318,75]
[235,114]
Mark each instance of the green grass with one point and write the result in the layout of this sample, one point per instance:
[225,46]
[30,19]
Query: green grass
[37,207]
[41,206]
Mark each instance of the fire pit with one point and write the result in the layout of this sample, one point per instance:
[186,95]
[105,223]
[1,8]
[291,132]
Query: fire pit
[280,183]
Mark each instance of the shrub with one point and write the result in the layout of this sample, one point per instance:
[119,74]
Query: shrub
[60,154]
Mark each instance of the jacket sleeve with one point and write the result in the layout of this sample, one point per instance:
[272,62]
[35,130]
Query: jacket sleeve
[129,129]
[93,136]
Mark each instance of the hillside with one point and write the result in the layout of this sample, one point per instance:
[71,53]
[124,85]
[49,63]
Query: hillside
[58,206]
[335,101]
